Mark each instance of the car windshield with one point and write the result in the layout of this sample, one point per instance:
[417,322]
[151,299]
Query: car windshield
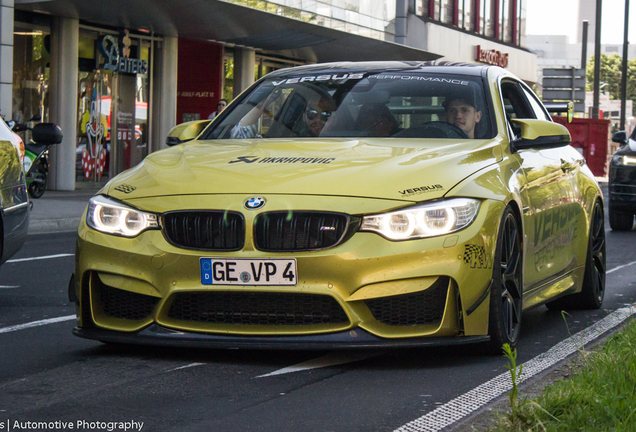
[402,104]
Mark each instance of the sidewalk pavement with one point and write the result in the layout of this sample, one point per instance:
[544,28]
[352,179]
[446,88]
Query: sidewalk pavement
[59,211]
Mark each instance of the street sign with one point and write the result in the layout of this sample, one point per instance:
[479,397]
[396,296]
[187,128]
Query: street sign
[563,85]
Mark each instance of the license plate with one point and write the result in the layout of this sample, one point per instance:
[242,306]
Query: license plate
[241,271]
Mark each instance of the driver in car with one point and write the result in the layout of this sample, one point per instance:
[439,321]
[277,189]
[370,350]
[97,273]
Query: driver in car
[461,111]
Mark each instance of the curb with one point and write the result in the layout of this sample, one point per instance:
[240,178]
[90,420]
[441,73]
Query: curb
[42,226]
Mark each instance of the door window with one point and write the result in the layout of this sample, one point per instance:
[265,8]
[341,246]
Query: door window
[538,109]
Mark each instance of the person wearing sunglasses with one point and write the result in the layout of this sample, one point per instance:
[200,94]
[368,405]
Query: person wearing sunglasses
[316,114]
[220,106]
[318,108]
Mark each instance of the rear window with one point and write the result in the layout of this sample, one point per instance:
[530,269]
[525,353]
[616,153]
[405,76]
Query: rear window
[350,105]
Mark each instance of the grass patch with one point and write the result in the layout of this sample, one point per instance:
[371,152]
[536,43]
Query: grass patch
[601,396]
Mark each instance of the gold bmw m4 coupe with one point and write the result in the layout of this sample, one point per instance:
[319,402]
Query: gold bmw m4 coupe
[347,205]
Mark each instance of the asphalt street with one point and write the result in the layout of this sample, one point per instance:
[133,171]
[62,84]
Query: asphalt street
[49,375]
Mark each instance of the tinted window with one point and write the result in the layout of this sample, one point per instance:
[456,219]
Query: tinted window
[536,106]
[515,102]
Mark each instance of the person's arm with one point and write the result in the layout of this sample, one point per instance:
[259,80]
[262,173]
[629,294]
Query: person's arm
[251,118]
[243,132]
[247,127]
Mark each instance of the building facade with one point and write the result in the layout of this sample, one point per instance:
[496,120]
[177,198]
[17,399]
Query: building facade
[118,75]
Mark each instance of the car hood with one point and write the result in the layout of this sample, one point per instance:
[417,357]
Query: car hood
[397,169]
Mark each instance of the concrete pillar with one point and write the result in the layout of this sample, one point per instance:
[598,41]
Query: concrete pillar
[63,100]
[6,58]
[244,64]
[164,94]
[401,13]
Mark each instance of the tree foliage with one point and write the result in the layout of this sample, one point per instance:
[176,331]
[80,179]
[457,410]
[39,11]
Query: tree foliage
[611,73]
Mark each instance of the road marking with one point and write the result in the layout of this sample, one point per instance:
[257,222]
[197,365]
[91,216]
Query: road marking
[186,366]
[9,286]
[331,359]
[36,323]
[39,258]
[337,358]
[463,405]
[620,267]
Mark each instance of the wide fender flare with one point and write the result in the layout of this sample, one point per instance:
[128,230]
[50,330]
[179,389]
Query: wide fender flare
[591,193]
[499,184]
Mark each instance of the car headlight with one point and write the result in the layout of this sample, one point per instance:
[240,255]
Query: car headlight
[113,217]
[427,220]
[623,160]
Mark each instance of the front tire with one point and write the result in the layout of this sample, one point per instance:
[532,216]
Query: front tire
[506,292]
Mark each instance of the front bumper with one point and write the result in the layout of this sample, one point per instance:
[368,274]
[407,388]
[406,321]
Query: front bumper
[622,188]
[157,335]
[128,288]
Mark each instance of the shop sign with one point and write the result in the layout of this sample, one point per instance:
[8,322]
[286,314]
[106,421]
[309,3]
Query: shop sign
[491,57]
[113,60]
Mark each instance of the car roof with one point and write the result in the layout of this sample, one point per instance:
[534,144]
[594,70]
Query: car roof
[455,68]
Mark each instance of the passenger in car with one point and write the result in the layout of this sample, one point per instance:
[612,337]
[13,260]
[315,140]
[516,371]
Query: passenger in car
[377,120]
[315,116]
[318,110]
[461,110]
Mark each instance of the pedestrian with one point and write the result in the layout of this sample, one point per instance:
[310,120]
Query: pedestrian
[220,106]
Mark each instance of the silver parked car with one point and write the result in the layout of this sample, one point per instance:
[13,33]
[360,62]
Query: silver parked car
[14,201]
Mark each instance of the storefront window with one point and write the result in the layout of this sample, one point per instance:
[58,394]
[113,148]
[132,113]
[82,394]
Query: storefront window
[113,101]
[31,71]
[93,135]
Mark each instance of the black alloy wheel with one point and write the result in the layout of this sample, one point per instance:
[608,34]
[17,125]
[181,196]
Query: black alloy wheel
[593,289]
[595,265]
[507,286]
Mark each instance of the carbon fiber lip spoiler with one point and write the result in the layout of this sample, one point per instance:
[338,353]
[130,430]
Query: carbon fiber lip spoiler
[356,339]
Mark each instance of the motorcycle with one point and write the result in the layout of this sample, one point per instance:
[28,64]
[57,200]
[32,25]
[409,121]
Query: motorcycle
[36,162]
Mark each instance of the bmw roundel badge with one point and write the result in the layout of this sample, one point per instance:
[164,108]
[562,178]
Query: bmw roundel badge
[254,203]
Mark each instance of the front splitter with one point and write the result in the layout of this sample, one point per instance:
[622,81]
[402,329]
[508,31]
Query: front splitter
[358,338]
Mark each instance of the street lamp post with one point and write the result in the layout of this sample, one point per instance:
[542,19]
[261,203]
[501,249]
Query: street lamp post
[597,59]
[624,67]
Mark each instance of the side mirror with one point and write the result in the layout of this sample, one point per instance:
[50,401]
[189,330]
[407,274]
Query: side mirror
[540,134]
[620,137]
[47,133]
[186,132]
